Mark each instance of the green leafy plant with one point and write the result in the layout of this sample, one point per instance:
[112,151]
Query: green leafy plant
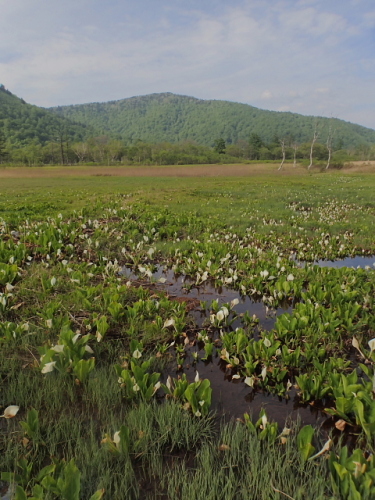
[196,394]
[136,381]
[304,442]
[31,425]
[264,429]
[120,443]
[68,356]
[61,479]
[352,476]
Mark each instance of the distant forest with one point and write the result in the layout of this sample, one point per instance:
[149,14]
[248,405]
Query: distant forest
[163,129]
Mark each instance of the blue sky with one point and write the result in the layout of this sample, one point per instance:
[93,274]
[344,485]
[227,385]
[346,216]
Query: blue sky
[315,57]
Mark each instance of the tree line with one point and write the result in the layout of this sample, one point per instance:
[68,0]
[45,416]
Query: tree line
[104,150]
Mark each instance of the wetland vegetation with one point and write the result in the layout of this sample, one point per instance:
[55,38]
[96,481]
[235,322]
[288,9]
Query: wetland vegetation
[161,339]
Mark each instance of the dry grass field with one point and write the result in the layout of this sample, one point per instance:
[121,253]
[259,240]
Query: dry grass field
[234,170]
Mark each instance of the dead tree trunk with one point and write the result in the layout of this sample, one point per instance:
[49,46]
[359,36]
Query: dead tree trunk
[329,145]
[295,147]
[315,137]
[282,142]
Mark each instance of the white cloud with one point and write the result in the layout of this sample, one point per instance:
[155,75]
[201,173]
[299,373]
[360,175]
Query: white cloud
[266,95]
[301,56]
[369,19]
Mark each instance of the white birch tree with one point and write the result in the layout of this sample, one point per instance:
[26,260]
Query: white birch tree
[329,145]
[315,137]
[295,147]
[282,143]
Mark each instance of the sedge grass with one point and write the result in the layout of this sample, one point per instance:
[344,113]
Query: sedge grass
[240,466]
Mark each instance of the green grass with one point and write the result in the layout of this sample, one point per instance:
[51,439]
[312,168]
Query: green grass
[65,273]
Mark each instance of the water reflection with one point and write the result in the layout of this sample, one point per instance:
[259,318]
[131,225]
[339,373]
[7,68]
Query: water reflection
[359,261]
[231,398]
[182,286]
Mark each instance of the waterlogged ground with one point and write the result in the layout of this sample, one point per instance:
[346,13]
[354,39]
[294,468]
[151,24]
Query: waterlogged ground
[230,398]
[151,329]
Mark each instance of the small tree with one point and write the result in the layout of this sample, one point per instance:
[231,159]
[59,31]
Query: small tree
[219,146]
[3,150]
[81,150]
[255,143]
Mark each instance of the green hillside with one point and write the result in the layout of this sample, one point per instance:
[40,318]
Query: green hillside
[22,123]
[168,117]
[169,129]
[156,118]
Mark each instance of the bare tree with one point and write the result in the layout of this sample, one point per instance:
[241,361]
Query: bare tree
[282,143]
[295,147]
[81,150]
[329,144]
[315,137]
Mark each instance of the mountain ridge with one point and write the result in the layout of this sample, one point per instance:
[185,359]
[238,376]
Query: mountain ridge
[173,117]
[168,117]
[22,123]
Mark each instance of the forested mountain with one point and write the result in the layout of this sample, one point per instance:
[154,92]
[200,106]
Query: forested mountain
[22,123]
[168,117]
[171,129]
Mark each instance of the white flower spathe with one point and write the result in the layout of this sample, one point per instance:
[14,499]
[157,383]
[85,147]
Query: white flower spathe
[10,411]
[169,322]
[58,348]
[250,381]
[220,315]
[48,367]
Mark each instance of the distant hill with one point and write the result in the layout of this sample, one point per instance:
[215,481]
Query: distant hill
[23,123]
[166,117]
[174,118]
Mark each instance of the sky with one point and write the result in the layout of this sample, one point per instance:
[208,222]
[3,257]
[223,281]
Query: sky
[314,57]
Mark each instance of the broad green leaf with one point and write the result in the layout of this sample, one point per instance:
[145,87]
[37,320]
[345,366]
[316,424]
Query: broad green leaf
[50,484]
[20,493]
[38,493]
[70,483]
[304,439]
[97,495]
[49,469]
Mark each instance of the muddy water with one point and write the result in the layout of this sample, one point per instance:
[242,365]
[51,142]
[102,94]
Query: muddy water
[231,398]
[177,286]
[355,262]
